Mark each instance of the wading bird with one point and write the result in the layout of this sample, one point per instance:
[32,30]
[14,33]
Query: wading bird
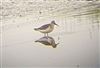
[47,28]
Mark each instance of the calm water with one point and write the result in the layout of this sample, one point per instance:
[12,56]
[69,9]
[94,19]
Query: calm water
[78,39]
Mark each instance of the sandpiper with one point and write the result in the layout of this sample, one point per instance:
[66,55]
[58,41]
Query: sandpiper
[47,28]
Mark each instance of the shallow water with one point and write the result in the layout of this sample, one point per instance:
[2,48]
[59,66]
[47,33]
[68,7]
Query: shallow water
[78,39]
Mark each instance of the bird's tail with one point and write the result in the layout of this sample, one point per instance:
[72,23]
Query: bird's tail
[36,41]
[35,28]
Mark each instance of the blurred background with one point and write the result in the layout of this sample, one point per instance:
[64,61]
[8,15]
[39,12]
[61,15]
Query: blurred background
[77,34]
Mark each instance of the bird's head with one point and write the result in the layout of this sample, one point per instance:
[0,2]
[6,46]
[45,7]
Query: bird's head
[53,22]
[54,46]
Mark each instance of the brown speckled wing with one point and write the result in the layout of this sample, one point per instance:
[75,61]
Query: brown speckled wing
[44,27]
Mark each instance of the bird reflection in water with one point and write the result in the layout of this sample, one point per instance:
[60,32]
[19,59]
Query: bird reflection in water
[48,41]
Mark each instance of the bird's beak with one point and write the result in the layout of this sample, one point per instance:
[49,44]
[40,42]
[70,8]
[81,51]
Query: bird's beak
[56,24]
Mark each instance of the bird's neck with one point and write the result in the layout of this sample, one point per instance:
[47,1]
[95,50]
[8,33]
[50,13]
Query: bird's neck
[52,25]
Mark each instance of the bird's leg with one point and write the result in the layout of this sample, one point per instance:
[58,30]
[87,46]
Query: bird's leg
[44,34]
[47,34]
